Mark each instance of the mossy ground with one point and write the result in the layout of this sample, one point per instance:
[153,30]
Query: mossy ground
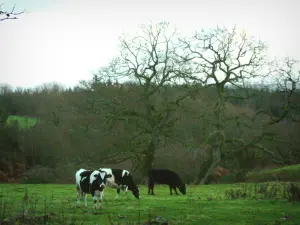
[202,205]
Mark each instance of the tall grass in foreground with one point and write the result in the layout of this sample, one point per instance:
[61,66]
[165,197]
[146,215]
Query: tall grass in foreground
[266,203]
[274,190]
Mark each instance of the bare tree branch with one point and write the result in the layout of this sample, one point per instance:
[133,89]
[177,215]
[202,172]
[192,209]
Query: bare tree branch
[9,15]
[221,56]
[287,81]
[224,56]
[149,58]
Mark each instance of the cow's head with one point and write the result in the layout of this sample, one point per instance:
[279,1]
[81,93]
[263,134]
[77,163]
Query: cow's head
[136,192]
[182,188]
[100,178]
[104,176]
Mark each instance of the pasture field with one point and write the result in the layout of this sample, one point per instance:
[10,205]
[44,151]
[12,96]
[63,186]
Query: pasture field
[205,204]
[23,122]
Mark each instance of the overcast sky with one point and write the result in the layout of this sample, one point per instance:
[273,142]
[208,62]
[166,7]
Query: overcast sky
[65,40]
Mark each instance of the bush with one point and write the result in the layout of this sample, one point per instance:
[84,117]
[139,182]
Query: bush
[65,172]
[237,177]
[287,173]
[276,190]
[229,179]
[293,192]
[38,175]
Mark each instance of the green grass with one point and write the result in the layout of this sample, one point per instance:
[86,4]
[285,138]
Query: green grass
[22,121]
[286,173]
[202,205]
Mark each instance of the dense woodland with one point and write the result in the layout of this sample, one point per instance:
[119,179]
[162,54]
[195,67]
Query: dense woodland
[187,104]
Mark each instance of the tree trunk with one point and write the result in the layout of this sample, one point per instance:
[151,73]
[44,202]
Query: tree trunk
[216,158]
[201,172]
[149,156]
[213,165]
[219,142]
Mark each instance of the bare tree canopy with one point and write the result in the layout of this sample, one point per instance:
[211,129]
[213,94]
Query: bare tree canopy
[223,56]
[9,15]
[220,57]
[157,56]
[149,59]
[287,79]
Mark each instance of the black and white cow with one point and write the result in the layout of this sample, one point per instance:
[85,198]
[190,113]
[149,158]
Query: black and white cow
[90,182]
[164,176]
[121,179]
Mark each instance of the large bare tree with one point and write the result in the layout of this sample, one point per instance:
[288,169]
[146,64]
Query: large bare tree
[148,59]
[224,57]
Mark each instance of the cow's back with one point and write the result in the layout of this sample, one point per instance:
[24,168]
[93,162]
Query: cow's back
[163,176]
[118,175]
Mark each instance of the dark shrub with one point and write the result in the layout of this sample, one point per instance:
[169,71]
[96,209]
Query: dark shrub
[38,175]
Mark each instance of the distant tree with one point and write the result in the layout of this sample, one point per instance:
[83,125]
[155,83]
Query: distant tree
[6,103]
[287,79]
[9,15]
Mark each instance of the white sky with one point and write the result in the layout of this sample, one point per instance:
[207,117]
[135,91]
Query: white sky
[64,42]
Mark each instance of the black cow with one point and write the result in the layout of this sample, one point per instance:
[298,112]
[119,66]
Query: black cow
[92,182]
[164,176]
[121,179]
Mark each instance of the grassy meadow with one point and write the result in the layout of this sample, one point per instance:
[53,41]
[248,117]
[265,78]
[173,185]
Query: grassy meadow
[207,204]
[22,121]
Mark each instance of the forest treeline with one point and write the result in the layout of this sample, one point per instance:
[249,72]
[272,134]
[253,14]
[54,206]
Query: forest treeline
[74,131]
[168,114]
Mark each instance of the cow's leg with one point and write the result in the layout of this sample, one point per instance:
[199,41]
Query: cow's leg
[175,190]
[78,196]
[85,199]
[126,191]
[78,200]
[95,198]
[118,192]
[170,190]
[100,199]
[150,187]
[173,187]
